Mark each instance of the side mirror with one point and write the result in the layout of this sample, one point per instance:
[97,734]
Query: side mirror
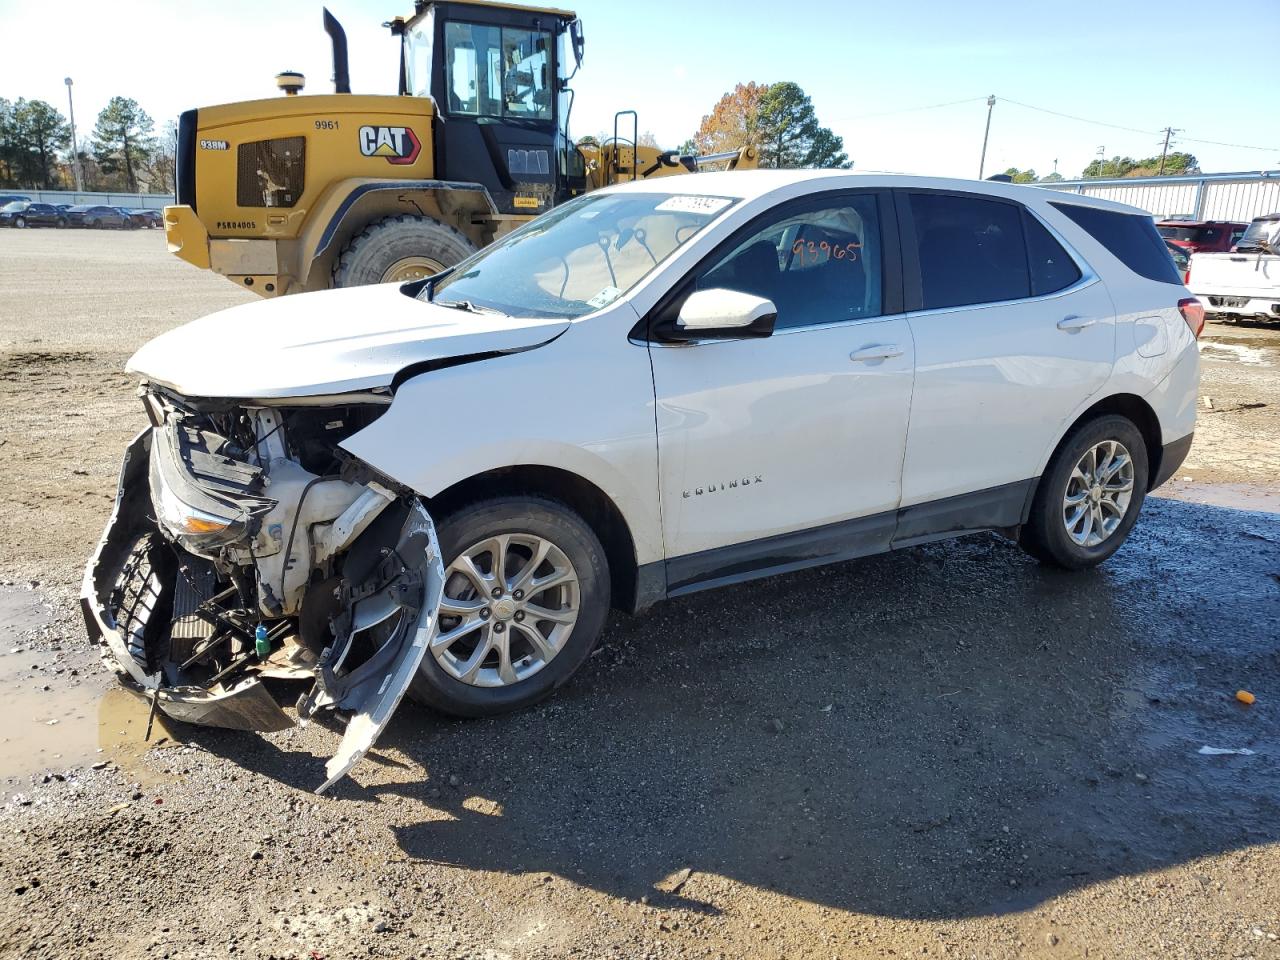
[720,314]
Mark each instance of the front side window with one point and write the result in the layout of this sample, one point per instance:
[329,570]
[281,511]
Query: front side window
[818,263]
[498,71]
[971,250]
[580,257]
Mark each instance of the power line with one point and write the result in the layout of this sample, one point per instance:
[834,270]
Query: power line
[931,106]
[1055,113]
[1238,146]
[1116,126]
[1098,123]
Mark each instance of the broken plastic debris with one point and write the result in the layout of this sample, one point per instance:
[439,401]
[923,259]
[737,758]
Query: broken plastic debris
[1244,696]
[1225,751]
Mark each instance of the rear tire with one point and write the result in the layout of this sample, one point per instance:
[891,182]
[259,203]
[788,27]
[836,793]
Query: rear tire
[62,223]
[525,522]
[1068,487]
[399,249]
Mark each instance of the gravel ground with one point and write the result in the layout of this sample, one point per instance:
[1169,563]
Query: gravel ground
[944,751]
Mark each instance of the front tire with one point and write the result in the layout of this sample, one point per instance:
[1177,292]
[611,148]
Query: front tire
[1089,498]
[19,222]
[399,249]
[512,630]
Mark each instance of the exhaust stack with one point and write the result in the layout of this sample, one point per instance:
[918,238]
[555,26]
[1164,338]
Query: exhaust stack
[341,78]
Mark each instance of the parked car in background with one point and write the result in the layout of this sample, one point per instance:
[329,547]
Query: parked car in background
[737,374]
[1243,284]
[129,222]
[7,198]
[96,217]
[144,217]
[1202,236]
[1181,254]
[23,213]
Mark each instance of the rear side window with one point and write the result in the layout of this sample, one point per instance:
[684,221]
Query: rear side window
[1130,238]
[1052,269]
[971,250]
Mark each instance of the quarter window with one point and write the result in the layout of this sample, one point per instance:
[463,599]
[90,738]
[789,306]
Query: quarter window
[1130,238]
[818,263]
[498,71]
[971,250]
[1052,269]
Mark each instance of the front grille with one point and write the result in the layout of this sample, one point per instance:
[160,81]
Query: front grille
[270,173]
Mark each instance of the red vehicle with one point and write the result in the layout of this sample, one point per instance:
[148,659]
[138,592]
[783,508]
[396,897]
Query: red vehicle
[1203,236]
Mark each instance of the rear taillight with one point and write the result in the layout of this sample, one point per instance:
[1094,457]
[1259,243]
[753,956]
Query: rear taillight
[1193,313]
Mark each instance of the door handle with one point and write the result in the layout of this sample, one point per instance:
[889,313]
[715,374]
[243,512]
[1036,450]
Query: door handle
[1073,323]
[877,351]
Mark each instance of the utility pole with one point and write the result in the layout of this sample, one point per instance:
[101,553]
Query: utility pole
[75,151]
[1164,151]
[991,102]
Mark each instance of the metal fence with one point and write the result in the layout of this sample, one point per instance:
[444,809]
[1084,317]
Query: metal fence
[133,201]
[1205,196]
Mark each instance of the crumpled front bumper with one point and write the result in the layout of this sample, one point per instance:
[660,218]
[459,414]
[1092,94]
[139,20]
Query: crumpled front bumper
[370,693]
[247,706]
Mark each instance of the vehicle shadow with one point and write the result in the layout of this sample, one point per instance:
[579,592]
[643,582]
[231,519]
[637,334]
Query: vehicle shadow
[942,732]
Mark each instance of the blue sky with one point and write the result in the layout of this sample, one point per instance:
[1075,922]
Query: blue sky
[863,63]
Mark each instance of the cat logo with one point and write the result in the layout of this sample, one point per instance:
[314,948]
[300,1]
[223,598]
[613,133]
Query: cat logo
[397,144]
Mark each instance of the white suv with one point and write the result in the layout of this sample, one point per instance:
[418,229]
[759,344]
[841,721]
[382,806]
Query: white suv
[649,391]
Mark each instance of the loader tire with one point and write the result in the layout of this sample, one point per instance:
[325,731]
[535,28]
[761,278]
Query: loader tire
[399,249]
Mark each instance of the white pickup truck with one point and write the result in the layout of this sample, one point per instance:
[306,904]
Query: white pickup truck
[1244,283]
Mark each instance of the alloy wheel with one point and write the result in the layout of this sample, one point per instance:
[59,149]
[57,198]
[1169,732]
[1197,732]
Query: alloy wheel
[1098,493]
[510,603]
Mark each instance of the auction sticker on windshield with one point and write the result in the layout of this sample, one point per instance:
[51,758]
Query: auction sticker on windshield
[683,203]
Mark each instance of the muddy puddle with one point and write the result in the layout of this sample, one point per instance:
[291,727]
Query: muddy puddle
[58,710]
[1246,353]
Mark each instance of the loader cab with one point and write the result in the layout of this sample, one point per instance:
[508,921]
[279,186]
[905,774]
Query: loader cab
[498,76]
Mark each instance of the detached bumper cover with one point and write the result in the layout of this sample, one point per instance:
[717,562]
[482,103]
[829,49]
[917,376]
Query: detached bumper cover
[244,707]
[370,692]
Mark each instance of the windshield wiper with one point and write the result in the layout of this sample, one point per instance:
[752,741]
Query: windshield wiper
[466,305]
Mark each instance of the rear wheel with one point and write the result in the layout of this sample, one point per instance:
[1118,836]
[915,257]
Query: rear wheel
[526,594]
[398,249]
[62,223]
[1088,500]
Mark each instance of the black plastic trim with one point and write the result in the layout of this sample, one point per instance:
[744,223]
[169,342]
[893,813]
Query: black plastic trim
[831,543]
[185,161]
[992,509]
[1171,459]
[995,508]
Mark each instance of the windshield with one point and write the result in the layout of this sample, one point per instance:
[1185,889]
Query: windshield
[1260,235]
[1189,234]
[579,257]
[417,56]
[15,206]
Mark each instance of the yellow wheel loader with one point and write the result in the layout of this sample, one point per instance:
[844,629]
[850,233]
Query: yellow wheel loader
[308,192]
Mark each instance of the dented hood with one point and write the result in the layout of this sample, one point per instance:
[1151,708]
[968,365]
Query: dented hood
[334,341]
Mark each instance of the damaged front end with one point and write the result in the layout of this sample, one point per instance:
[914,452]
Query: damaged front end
[246,545]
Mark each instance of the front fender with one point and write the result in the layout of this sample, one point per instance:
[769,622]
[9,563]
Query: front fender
[582,403]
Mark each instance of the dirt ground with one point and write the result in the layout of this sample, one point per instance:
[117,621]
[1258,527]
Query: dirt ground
[946,751]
